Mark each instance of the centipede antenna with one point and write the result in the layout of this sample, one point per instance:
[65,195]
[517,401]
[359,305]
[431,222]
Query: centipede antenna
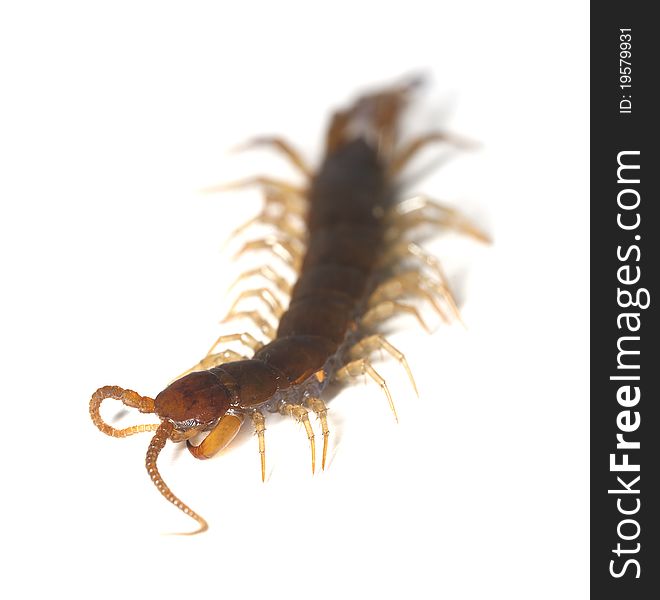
[129,398]
[157,444]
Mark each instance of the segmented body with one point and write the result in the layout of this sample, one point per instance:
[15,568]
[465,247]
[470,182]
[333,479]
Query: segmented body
[322,320]
[350,278]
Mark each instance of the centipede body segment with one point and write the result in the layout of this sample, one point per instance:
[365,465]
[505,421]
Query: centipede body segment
[346,234]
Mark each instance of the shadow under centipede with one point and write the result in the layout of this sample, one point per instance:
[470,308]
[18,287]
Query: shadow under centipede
[458,284]
[119,415]
[178,451]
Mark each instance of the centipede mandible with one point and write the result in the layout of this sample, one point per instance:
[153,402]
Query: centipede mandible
[348,235]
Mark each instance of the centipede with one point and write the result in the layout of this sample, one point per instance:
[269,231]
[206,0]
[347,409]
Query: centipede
[348,235]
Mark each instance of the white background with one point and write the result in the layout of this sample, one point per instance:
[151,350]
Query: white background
[114,115]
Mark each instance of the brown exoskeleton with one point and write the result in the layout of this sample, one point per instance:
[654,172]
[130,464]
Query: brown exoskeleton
[347,251]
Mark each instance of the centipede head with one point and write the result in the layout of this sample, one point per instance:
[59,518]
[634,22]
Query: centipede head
[197,402]
[192,404]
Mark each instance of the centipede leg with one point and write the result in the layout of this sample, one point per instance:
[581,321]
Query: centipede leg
[281,223]
[459,224]
[287,202]
[302,416]
[286,250]
[406,154]
[287,189]
[263,294]
[387,309]
[283,146]
[403,250]
[413,250]
[377,342]
[213,360]
[267,273]
[245,338]
[416,211]
[276,212]
[259,422]
[321,410]
[411,283]
[252,315]
[363,367]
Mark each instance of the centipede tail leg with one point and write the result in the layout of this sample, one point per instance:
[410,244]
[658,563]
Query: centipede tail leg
[377,342]
[279,144]
[300,413]
[363,367]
